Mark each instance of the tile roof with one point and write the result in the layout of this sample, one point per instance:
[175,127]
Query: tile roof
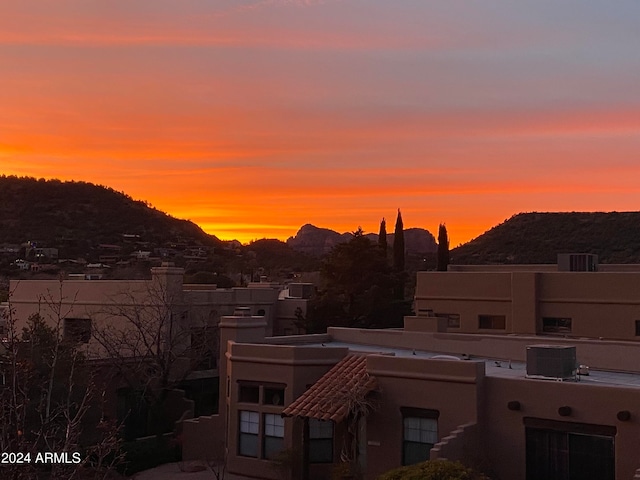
[336,393]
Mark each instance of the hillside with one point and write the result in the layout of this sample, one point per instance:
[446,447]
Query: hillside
[77,216]
[539,237]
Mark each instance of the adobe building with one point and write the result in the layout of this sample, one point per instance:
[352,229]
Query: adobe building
[91,299]
[81,307]
[596,301]
[518,402]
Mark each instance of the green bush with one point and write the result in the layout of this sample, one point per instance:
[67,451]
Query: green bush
[433,470]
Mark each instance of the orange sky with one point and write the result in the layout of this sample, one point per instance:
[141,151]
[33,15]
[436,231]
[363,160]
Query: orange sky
[254,117]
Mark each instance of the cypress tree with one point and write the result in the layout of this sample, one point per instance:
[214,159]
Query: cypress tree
[398,257]
[382,237]
[398,245]
[443,248]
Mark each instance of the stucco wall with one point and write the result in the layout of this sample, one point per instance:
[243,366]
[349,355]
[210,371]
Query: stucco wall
[504,431]
[296,368]
[600,304]
[449,387]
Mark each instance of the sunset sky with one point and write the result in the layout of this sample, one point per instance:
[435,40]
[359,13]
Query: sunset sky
[253,117]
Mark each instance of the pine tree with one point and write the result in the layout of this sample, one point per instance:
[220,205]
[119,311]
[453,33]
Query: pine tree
[443,248]
[382,237]
[398,245]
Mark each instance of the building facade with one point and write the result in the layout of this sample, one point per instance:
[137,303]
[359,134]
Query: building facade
[534,300]
[451,384]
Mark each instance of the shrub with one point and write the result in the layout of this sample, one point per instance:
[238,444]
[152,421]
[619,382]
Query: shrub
[433,470]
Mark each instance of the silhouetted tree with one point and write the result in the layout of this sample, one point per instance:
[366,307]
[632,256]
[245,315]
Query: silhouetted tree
[399,257]
[398,245]
[443,248]
[359,289]
[51,399]
[382,237]
[154,340]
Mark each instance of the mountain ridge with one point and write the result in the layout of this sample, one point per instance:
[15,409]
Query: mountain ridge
[81,215]
[84,215]
[537,237]
[318,241]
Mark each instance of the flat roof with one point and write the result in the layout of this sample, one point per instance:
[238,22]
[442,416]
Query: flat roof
[493,367]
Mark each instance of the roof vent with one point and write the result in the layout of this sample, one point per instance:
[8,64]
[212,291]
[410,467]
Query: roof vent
[556,362]
[242,312]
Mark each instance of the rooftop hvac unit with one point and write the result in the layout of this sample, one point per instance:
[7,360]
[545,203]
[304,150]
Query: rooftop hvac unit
[557,362]
[577,262]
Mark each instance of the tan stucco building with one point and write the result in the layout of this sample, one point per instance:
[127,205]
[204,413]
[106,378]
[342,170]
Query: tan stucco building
[490,397]
[96,312]
[474,376]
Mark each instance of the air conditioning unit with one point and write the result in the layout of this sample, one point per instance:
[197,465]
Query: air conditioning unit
[556,362]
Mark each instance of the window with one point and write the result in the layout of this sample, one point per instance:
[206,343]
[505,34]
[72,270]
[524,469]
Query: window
[262,428]
[273,396]
[420,434]
[453,319]
[493,322]
[77,330]
[320,441]
[556,325]
[273,435]
[249,393]
[637,328]
[249,428]
[566,451]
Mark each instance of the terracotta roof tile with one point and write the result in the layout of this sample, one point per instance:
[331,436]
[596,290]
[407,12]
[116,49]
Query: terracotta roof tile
[336,393]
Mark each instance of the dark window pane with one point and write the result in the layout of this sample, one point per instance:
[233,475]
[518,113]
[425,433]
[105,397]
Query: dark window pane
[591,456]
[419,436]
[272,446]
[414,452]
[562,455]
[249,394]
[320,441]
[274,395]
[248,445]
[556,325]
[321,450]
[494,322]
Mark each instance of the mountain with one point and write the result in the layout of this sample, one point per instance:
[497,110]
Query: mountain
[78,215]
[539,237]
[317,241]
